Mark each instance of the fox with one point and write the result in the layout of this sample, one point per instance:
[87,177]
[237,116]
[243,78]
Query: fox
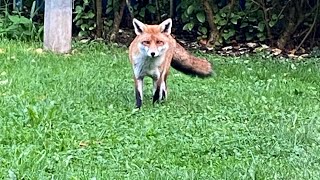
[153,51]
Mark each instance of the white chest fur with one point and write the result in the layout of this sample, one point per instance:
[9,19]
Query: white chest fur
[147,66]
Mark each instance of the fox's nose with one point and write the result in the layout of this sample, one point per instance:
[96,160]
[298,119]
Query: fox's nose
[153,54]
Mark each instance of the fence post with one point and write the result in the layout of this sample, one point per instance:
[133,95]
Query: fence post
[58,25]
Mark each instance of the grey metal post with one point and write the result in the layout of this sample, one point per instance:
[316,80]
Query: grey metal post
[58,25]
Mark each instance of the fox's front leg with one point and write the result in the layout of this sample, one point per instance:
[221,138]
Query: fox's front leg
[138,91]
[159,89]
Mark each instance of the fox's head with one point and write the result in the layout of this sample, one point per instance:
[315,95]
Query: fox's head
[153,39]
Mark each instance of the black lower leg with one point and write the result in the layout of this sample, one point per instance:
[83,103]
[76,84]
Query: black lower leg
[138,99]
[163,95]
[156,95]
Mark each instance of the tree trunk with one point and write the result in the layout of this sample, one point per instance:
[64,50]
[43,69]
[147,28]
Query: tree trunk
[266,22]
[171,8]
[99,21]
[296,16]
[285,36]
[291,26]
[214,33]
[118,13]
[158,11]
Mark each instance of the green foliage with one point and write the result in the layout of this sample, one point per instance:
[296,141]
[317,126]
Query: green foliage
[71,117]
[84,18]
[140,12]
[260,21]
[108,22]
[193,17]
[240,25]
[244,25]
[17,26]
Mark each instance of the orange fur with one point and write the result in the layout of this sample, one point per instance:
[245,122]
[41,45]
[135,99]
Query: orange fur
[152,53]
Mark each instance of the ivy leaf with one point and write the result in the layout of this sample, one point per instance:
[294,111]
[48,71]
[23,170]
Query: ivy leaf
[84,27]
[261,26]
[260,35]
[223,22]
[227,35]
[203,30]
[272,23]
[142,12]
[89,15]
[86,2]
[274,17]
[281,16]
[190,9]
[82,34]
[109,9]
[263,38]
[245,24]
[151,8]
[252,19]
[109,23]
[78,16]
[237,16]
[249,36]
[189,26]
[201,17]
[217,19]
[79,9]
[234,21]
[91,28]
[78,23]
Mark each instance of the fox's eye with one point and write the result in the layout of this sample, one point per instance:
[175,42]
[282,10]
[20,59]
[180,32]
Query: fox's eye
[146,42]
[159,42]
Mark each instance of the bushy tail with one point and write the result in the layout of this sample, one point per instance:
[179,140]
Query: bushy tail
[185,62]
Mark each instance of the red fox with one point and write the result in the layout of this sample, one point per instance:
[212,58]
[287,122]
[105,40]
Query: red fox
[152,53]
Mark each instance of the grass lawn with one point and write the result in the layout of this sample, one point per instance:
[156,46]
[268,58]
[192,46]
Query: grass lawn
[72,117]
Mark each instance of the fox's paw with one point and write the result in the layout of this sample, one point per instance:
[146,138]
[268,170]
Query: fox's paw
[159,95]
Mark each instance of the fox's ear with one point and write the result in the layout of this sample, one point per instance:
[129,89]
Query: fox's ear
[138,26]
[166,26]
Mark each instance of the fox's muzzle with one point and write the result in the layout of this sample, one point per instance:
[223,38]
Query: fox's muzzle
[153,54]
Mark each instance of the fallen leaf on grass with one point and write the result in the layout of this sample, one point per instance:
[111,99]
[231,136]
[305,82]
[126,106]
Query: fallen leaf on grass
[84,144]
[12,57]
[293,51]
[74,51]
[12,175]
[304,55]
[39,51]
[276,51]
[2,51]
[252,45]
[292,56]
[203,41]
[84,41]
[227,48]
[4,82]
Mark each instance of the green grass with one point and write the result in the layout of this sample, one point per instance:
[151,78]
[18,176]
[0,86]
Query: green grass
[72,117]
